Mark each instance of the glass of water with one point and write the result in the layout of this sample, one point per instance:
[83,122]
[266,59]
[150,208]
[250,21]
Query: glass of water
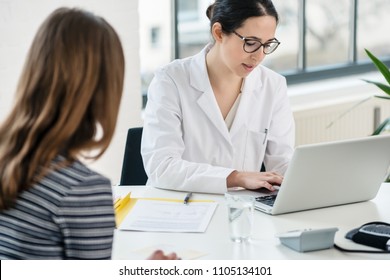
[240,213]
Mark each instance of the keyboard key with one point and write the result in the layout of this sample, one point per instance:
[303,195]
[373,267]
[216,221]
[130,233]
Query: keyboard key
[268,199]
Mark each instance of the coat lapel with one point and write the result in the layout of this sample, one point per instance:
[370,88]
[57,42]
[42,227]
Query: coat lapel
[200,81]
[248,102]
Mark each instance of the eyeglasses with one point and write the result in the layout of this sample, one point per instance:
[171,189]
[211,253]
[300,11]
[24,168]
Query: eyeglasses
[251,45]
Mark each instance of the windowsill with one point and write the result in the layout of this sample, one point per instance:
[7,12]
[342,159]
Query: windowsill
[333,91]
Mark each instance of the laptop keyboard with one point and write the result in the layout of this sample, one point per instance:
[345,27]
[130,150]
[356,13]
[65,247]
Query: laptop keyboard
[268,199]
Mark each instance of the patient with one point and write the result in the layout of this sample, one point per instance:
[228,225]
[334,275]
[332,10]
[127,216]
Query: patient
[51,205]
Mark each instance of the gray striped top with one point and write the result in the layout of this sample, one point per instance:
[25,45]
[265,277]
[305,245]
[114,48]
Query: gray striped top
[68,215]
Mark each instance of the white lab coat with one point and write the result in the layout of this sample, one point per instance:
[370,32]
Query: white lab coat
[186,144]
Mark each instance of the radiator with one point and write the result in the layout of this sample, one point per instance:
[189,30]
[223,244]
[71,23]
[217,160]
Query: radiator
[342,120]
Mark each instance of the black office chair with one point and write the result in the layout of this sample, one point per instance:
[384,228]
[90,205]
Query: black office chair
[133,172]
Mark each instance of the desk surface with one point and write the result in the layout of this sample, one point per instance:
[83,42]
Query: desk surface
[216,244]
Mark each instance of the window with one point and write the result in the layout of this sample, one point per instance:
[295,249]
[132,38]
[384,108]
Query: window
[319,38]
[372,28]
[156,47]
[155,37]
[187,10]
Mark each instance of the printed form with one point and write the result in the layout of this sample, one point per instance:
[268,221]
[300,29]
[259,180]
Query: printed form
[169,216]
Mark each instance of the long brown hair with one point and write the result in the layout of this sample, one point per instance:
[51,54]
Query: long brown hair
[67,100]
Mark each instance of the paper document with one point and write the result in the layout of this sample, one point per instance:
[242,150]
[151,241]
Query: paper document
[169,216]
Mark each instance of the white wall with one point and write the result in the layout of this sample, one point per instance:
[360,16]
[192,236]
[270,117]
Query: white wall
[19,21]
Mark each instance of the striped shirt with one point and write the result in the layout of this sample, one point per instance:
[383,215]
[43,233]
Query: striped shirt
[68,215]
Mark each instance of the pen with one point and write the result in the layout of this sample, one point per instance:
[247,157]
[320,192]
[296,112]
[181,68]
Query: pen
[265,137]
[187,198]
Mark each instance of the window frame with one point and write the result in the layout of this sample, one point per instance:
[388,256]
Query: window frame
[304,74]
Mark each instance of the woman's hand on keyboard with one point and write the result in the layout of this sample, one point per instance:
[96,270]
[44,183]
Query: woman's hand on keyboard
[254,180]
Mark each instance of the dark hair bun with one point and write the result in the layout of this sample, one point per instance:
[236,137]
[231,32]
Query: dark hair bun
[210,10]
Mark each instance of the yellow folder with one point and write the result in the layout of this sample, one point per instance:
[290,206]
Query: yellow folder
[122,207]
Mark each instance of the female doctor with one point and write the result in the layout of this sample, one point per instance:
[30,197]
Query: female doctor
[212,119]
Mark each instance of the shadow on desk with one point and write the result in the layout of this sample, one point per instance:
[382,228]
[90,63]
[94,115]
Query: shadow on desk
[345,218]
[351,214]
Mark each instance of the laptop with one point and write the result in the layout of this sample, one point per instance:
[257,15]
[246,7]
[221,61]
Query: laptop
[330,174]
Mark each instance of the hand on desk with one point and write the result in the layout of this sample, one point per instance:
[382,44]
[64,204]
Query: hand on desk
[254,180]
[159,255]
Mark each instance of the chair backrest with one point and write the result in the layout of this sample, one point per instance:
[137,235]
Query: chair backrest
[133,172]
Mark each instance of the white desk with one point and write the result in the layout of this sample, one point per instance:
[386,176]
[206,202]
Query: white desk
[264,245]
